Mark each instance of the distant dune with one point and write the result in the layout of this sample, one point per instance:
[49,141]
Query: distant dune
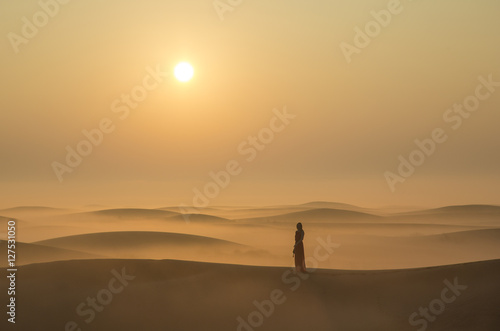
[460,210]
[4,220]
[147,214]
[32,211]
[186,296]
[375,230]
[33,253]
[34,232]
[180,210]
[202,218]
[365,252]
[470,214]
[241,212]
[134,213]
[469,209]
[482,235]
[317,215]
[4,223]
[328,204]
[336,205]
[130,239]
[255,212]
[157,245]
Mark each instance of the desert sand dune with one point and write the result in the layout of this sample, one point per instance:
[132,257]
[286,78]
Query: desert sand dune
[465,210]
[4,220]
[367,241]
[466,214]
[190,295]
[35,232]
[241,212]
[182,296]
[316,215]
[202,218]
[47,227]
[134,213]
[4,225]
[131,239]
[32,253]
[331,205]
[486,216]
[156,245]
[482,235]
[44,228]
[384,229]
[341,206]
[256,212]
[378,252]
[32,210]
[137,214]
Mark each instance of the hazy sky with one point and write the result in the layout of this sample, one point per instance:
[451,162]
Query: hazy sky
[355,112]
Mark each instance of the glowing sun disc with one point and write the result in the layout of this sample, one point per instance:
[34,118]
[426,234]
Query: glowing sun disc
[183,72]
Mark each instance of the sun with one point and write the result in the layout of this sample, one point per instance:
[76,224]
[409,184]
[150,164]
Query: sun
[183,71]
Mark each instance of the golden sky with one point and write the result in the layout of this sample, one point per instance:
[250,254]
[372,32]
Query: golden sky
[275,97]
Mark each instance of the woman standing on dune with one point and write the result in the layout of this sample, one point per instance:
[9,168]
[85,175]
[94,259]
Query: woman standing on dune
[298,249]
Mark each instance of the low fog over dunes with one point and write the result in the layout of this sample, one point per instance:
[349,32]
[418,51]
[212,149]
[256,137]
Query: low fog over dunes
[366,240]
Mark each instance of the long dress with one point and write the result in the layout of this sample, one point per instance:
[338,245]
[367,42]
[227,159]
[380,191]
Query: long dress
[300,259]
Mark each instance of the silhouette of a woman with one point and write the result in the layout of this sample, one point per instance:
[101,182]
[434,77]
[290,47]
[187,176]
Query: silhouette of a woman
[298,249]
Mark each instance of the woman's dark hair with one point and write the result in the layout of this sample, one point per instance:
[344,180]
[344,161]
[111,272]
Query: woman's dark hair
[299,226]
